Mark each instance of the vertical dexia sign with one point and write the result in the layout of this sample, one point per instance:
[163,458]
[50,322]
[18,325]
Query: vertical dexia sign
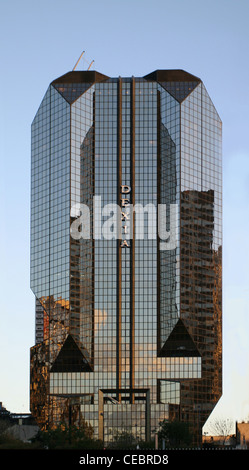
[113,221]
[126,218]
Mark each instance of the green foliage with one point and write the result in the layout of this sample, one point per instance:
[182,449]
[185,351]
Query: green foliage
[147,444]
[175,433]
[126,440]
[123,440]
[68,437]
[9,442]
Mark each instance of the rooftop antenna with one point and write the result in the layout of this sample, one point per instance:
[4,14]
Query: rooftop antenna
[81,55]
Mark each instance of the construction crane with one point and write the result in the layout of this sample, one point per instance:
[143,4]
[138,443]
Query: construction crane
[90,65]
[81,55]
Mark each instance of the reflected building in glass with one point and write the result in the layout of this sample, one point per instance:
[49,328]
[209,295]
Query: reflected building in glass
[129,328]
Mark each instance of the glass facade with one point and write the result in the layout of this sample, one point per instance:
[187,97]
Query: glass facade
[129,333]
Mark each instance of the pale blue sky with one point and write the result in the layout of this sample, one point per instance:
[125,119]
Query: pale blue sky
[43,40]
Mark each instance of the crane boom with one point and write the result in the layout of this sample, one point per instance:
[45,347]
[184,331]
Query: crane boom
[90,65]
[78,60]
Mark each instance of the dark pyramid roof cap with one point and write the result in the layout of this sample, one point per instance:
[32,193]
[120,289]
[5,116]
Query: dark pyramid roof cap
[72,91]
[79,76]
[177,75]
[73,84]
[177,83]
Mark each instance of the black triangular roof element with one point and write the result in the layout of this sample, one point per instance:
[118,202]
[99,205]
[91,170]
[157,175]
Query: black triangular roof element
[70,358]
[179,90]
[73,84]
[176,75]
[72,91]
[179,343]
[81,76]
[177,82]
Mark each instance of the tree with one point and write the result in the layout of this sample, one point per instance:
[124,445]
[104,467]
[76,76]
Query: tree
[176,433]
[221,427]
[123,440]
[69,437]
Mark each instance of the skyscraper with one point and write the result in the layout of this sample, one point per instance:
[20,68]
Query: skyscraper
[126,262]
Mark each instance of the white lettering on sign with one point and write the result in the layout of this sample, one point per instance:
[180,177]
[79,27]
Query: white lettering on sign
[125,215]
